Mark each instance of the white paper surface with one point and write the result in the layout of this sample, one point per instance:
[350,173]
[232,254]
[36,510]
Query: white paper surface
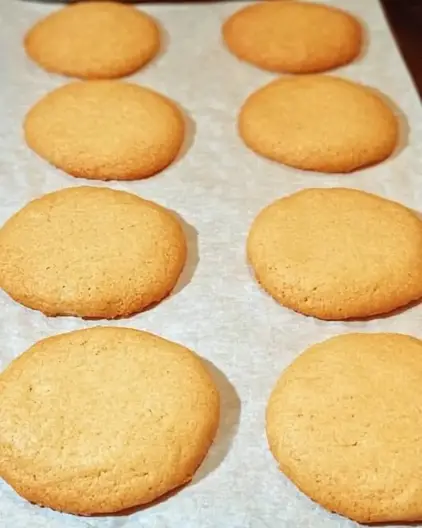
[218,187]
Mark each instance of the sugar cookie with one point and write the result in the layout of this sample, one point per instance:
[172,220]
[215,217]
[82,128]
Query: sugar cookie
[104,419]
[320,123]
[338,253]
[294,37]
[105,130]
[91,252]
[94,40]
[344,424]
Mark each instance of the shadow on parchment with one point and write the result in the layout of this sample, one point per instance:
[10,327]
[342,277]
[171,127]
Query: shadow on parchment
[190,133]
[403,125]
[192,258]
[230,408]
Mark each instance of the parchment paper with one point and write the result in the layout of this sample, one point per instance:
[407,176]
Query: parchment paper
[217,186]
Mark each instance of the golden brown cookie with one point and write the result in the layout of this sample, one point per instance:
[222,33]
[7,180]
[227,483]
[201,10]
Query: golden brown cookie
[337,253]
[294,37]
[91,252]
[104,419]
[94,40]
[320,123]
[344,423]
[105,130]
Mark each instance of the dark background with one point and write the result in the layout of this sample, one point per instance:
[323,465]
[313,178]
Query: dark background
[405,18]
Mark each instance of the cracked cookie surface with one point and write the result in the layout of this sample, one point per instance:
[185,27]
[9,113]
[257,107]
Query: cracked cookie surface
[343,422]
[293,37]
[104,419]
[337,253]
[319,123]
[105,130]
[91,252]
[93,40]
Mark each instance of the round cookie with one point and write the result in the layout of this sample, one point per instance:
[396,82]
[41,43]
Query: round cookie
[343,422]
[337,253]
[93,40]
[105,130]
[91,252]
[294,37]
[319,123]
[139,416]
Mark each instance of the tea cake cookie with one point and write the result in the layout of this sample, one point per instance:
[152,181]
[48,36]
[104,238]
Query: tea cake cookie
[294,37]
[91,252]
[93,40]
[319,123]
[140,415]
[105,130]
[337,253]
[343,422]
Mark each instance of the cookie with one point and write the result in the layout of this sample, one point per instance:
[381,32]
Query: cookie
[93,40]
[104,419]
[337,253]
[105,130]
[91,252]
[319,123]
[343,422]
[294,37]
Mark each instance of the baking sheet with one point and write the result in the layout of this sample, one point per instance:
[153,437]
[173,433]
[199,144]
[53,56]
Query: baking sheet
[218,187]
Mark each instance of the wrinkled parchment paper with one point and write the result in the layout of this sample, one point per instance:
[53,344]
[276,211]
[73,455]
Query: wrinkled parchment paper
[217,186]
